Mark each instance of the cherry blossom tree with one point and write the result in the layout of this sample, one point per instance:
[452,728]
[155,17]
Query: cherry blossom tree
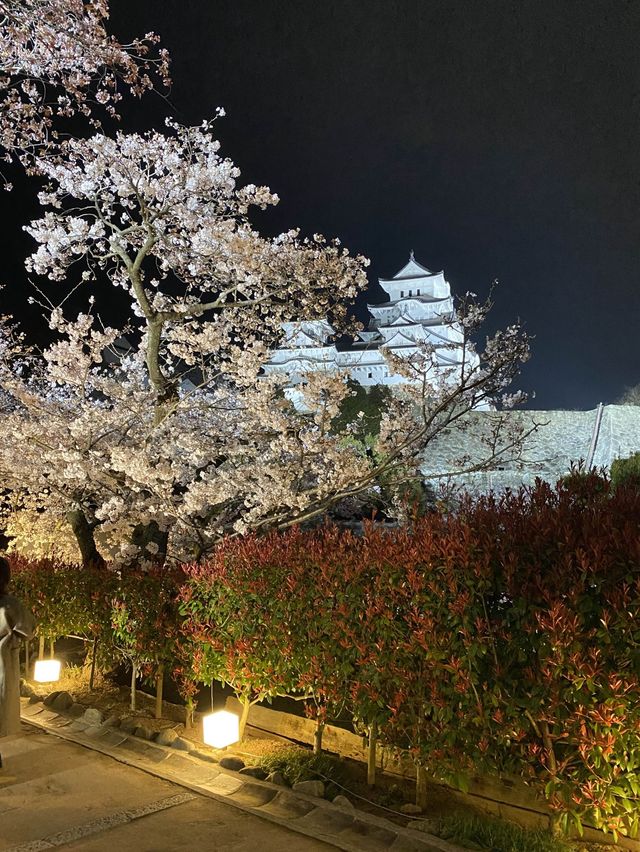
[160,435]
[57,60]
[176,439]
[163,218]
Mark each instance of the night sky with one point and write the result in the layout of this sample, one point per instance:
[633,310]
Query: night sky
[498,140]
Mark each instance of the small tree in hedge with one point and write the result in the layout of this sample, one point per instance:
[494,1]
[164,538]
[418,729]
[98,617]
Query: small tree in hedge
[144,625]
[565,713]
[272,615]
[66,599]
[235,608]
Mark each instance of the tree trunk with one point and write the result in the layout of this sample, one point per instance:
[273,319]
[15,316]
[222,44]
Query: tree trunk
[159,687]
[371,755]
[317,737]
[52,648]
[83,532]
[41,647]
[548,745]
[246,706]
[92,671]
[421,786]
[167,396]
[27,661]
[134,674]
[555,826]
[144,534]
[188,714]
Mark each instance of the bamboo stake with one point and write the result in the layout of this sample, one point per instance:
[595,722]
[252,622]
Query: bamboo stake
[92,671]
[421,786]
[41,647]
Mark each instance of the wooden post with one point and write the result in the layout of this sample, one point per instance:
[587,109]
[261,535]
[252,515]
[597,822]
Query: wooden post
[317,737]
[41,647]
[371,754]
[159,686]
[134,674]
[421,786]
[92,670]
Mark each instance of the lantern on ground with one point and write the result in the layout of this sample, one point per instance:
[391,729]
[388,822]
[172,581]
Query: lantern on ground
[220,729]
[46,671]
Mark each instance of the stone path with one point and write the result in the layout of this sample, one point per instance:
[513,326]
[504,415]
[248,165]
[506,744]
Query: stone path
[55,794]
[316,822]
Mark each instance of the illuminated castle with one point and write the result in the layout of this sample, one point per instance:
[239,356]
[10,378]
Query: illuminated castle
[419,315]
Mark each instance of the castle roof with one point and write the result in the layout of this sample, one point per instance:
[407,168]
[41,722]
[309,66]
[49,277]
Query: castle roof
[410,270]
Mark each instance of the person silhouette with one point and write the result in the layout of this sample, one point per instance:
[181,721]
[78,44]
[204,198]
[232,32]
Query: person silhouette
[16,624]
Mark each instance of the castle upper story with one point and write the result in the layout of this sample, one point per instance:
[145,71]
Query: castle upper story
[417,316]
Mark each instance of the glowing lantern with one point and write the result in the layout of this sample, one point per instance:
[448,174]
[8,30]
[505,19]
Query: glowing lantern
[47,671]
[220,729]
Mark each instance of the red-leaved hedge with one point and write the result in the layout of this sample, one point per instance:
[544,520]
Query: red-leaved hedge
[503,636]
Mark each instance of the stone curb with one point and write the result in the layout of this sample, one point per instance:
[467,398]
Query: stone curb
[317,818]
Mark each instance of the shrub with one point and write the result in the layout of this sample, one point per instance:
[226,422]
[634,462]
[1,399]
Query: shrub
[626,471]
[66,599]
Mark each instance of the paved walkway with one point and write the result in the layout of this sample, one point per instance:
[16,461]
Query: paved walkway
[315,821]
[56,794]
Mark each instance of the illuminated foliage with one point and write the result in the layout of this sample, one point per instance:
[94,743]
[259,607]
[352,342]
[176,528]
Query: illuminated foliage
[499,638]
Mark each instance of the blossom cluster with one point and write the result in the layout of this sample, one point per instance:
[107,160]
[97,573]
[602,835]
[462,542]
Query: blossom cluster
[57,60]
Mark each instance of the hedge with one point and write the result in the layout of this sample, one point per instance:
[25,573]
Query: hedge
[502,637]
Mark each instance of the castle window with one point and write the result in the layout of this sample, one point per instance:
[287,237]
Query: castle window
[411,292]
[401,294]
[417,292]
[369,375]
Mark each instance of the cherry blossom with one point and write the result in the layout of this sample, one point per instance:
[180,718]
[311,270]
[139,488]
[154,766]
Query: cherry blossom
[57,60]
[155,438]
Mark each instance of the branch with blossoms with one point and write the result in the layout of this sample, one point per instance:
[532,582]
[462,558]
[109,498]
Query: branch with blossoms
[163,217]
[59,61]
[178,440]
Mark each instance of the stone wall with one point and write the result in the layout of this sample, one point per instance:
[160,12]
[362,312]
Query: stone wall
[558,439]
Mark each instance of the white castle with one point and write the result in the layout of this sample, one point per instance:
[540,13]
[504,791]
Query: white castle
[419,311]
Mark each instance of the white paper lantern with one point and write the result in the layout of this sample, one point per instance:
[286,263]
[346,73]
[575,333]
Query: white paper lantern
[220,729]
[46,671]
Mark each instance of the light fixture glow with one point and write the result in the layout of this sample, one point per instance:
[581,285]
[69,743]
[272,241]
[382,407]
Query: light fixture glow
[220,729]
[46,671]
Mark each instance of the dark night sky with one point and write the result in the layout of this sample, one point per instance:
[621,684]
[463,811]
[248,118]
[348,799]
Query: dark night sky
[497,139]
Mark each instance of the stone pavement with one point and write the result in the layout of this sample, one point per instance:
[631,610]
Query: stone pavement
[261,807]
[56,794]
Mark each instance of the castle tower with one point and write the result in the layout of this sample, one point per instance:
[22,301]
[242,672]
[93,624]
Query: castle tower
[419,311]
